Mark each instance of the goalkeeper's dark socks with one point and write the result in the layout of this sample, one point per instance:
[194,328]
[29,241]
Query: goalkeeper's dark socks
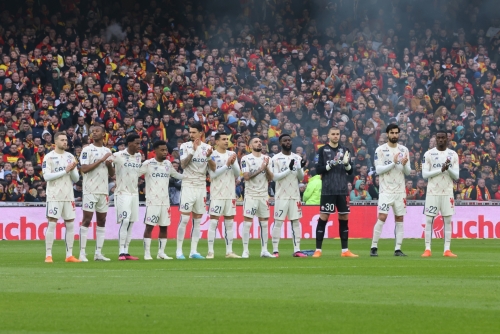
[320,233]
[344,233]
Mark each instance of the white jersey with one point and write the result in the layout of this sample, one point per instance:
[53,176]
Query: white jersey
[441,184]
[95,181]
[257,186]
[288,187]
[157,175]
[127,172]
[223,186]
[60,189]
[393,181]
[195,173]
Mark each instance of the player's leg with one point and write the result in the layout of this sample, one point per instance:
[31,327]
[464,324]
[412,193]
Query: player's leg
[399,209]
[162,242]
[147,238]
[294,214]
[53,212]
[280,211]
[229,234]
[447,211]
[101,216]
[263,215]
[327,207]
[134,215]
[343,209]
[88,207]
[199,208]
[212,228]
[185,207]
[384,203]
[249,210]
[68,214]
[431,209]
[123,204]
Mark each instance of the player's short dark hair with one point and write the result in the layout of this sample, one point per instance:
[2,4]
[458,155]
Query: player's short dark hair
[131,138]
[252,138]
[283,135]
[442,131]
[334,128]
[392,127]
[57,134]
[219,134]
[159,143]
[197,126]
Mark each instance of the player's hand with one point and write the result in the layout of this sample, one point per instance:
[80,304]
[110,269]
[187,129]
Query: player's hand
[209,152]
[196,143]
[303,163]
[346,159]
[292,163]
[446,165]
[231,160]
[396,157]
[405,159]
[108,163]
[332,163]
[105,157]
[70,167]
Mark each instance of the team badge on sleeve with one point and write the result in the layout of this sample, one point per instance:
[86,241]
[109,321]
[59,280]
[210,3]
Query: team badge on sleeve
[243,164]
[423,159]
[84,155]
[376,156]
[44,165]
[181,151]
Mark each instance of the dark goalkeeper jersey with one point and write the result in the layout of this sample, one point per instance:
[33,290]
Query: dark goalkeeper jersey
[334,181]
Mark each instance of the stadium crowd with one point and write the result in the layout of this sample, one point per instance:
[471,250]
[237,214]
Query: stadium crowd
[272,67]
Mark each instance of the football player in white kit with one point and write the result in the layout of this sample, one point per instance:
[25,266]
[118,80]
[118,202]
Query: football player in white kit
[127,166]
[392,163]
[194,161]
[223,169]
[257,174]
[440,167]
[157,172]
[59,170]
[287,168]
[96,169]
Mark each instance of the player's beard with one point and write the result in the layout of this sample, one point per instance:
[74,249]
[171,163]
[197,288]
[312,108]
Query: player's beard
[394,140]
[286,148]
[257,149]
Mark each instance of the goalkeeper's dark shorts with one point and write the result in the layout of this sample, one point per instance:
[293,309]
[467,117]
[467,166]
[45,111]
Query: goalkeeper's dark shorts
[334,203]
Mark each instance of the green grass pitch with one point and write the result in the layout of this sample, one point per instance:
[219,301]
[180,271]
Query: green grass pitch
[256,295]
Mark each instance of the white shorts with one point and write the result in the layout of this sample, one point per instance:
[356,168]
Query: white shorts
[127,207]
[223,207]
[95,203]
[64,210]
[397,201]
[287,208]
[435,204]
[193,200]
[157,215]
[256,207]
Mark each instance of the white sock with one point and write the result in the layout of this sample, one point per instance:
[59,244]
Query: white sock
[99,242]
[447,232]
[276,234]
[228,224]
[264,234]
[69,238]
[344,250]
[377,230]
[399,231]
[147,246]
[181,231]
[428,231]
[296,235]
[195,235]
[246,235]
[129,236]
[122,234]
[83,238]
[49,238]
[211,234]
[161,245]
